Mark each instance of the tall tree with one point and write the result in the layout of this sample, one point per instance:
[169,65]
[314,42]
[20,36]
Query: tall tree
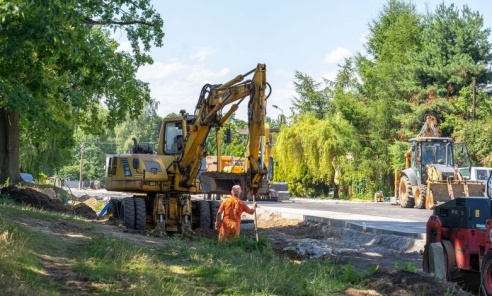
[57,65]
[394,37]
[311,98]
[455,52]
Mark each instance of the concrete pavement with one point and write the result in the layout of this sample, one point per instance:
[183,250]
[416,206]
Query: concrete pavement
[359,216]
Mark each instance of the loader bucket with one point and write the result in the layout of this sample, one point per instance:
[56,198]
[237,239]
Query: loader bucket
[439,192]
[476,189]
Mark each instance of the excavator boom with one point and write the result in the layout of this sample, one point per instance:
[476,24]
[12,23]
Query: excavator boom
[212,101]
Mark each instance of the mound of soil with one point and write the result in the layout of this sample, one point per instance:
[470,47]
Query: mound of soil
[397,282]
[85,211]
[36,199]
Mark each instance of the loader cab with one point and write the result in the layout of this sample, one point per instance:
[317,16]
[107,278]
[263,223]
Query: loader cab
[430,151]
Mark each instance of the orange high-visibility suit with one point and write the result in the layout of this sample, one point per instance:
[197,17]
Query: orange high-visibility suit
[230,225]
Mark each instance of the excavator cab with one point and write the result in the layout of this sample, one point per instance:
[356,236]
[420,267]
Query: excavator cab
[173,136]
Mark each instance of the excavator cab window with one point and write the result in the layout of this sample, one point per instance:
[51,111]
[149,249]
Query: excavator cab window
[173,141]
[111,163]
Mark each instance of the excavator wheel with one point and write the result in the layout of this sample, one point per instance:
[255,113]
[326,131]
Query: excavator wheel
[405,189]
[133,213]
[420,197]
[204,214]
[140,214]
[129,212]
[486,274]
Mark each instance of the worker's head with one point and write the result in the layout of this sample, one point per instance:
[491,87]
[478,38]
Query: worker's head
[236,191]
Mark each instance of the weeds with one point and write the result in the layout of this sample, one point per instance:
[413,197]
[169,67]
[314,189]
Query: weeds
[6,200]
[7,182]
[406,267]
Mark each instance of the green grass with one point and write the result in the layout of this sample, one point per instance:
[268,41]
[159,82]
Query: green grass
[177,266]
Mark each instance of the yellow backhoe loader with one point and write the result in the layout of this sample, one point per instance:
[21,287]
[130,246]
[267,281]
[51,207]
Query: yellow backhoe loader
[431,174]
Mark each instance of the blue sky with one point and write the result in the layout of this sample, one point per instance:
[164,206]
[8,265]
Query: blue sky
[213,41]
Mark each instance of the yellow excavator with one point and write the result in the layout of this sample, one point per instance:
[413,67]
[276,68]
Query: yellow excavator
[431,175]
[164,180]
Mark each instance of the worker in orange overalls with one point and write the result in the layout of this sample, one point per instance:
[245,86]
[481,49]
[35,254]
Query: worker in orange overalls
[229,224]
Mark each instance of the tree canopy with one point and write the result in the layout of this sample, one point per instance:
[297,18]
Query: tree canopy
[58,64]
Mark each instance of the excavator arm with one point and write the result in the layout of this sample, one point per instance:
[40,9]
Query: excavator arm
[209,113]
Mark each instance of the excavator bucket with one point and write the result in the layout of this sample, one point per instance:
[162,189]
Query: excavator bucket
[220,183]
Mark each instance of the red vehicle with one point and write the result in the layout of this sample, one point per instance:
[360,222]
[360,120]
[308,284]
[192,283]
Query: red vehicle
[459,241]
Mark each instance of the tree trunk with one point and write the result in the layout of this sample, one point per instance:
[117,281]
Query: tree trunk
[9,146]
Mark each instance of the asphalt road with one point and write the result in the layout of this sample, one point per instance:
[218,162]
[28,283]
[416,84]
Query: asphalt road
[379,217]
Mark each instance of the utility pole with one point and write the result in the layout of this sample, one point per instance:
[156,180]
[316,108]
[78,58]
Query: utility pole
[81,165]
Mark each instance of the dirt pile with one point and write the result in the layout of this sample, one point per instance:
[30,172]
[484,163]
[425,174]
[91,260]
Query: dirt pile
[394,282]
[37,199]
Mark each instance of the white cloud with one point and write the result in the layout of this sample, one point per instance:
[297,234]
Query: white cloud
[160,70]
[201,54]
[201,74]
[336,55]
